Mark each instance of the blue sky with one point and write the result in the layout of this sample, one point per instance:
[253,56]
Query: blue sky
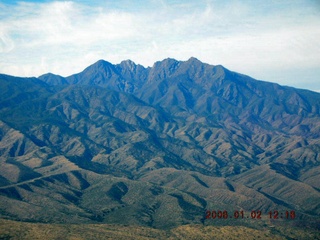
[276,41]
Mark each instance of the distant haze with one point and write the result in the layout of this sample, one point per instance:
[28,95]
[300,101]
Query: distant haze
[276,41]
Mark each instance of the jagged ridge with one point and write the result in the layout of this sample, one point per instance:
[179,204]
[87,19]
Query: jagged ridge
[194,134]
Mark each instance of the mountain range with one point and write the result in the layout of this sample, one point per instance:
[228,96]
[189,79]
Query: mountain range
[157,146]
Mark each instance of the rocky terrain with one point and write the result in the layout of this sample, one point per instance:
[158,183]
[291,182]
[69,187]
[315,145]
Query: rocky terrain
[157,147]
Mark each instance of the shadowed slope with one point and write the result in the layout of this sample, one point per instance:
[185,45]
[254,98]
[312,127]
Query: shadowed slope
[156,146]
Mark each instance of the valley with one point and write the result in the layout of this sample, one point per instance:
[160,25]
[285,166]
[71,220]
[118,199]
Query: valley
[156,148]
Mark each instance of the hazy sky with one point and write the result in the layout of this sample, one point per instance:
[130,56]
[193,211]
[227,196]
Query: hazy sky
[276,41]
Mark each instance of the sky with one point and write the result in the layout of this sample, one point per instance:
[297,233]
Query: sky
[276,40]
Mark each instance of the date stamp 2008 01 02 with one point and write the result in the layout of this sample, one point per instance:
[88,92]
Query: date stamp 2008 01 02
[213,214]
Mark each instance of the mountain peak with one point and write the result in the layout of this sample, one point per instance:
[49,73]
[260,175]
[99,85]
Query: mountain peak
[53,79]
[101,62]
[100,66]
[128,64]
[193,60]
[149,140]
[167,62]
[164,69]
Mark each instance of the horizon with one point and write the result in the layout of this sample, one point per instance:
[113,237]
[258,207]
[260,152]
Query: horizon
[118,63]
[274,42]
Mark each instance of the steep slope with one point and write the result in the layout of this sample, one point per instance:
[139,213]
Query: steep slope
[257,122]
[156,146]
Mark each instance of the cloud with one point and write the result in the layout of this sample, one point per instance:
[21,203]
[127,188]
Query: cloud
[250,37]
[61,32]
[6,43]
[66,22]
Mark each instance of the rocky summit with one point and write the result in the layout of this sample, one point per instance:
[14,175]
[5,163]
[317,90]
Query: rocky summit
[162,146]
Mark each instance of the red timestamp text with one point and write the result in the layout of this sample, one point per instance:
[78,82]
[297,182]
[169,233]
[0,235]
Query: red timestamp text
[256,214]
